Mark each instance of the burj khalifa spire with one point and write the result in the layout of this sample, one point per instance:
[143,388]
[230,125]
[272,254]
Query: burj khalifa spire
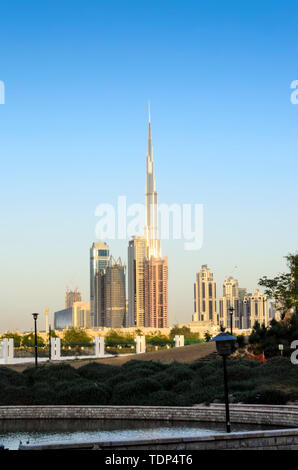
[151,230]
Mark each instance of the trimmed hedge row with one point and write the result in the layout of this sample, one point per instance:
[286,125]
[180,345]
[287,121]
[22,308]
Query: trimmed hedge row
[150,383]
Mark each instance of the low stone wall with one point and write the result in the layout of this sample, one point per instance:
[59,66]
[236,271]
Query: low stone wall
[255,440]
[251,414]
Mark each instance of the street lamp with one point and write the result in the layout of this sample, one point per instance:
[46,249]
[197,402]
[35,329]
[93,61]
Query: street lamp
[231,311]
[35,315]
[224,346]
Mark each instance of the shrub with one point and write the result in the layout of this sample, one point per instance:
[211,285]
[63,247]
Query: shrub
[51,373]
[150,365]
[182,387]
[266,397]
[82,393]
[15,395]
[134,393]
[180,371]
[43,394]
[11,377]
[240,341]
[166,398]
[238,371]
[98,372]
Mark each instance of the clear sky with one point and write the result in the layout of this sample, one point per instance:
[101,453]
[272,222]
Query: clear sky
[73,134]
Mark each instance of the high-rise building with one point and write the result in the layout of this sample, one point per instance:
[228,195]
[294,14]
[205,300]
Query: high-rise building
[114,295]
[205,297]
[137,254]
[230,288]
[72,296]
[156,292]
[63,319]
[255,309]
[242,292]
[81,315]
[151,202]
[230,299]
[144,255]
[99,257]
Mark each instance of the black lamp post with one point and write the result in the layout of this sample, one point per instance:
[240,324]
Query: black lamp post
[231,311]
[35,315]
[50,345]
[224,346]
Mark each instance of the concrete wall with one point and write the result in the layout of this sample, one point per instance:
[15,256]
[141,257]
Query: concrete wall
[278,439]
[254,440]
[251,414]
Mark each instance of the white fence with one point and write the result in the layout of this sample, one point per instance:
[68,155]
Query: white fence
[6,350]
[140,344]
[179,341]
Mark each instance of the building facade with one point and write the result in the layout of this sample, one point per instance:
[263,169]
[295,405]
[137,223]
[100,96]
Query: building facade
[156,292]
[137,254]
[72,296]
[99,258]
[147,300]
[255,309]
[114,295]
[81,315]
[63,319]
[205,297]
[230,299]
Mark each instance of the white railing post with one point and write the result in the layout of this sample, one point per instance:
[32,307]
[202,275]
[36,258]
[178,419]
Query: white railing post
[10,350]
[140,344]
[179,341]
[55,349]
[99,346]
[143,344]
[5,350]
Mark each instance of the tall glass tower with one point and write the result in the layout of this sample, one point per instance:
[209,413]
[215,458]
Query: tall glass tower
[99,258]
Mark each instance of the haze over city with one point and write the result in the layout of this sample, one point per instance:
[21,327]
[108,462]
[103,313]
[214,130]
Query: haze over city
[73,135]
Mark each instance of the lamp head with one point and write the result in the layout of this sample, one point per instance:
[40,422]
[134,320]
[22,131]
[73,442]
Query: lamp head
[224,343]
[35,315]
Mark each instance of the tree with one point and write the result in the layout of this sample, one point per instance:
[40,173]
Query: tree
[283,289]
[16,338]
[76,337]
[113,338]
[184,331]
[28,341]
[207,336]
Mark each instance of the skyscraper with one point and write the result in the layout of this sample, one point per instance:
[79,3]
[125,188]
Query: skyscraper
[144,256]
[156,292]
[255,309]
[137,254]
[114,294]
[230,299]
[71,297]
[151,201]
[205,297]
[81,315]
[99,257]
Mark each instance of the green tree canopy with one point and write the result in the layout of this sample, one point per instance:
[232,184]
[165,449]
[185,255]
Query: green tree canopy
[185,331]
[283,288]
[76,337]
[113,338]
[28,341]
[16,338]
[207,336]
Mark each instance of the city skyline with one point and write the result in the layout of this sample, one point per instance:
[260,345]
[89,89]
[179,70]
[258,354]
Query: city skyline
[73,133]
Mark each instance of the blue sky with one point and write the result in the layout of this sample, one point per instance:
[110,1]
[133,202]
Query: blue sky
[73,130]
